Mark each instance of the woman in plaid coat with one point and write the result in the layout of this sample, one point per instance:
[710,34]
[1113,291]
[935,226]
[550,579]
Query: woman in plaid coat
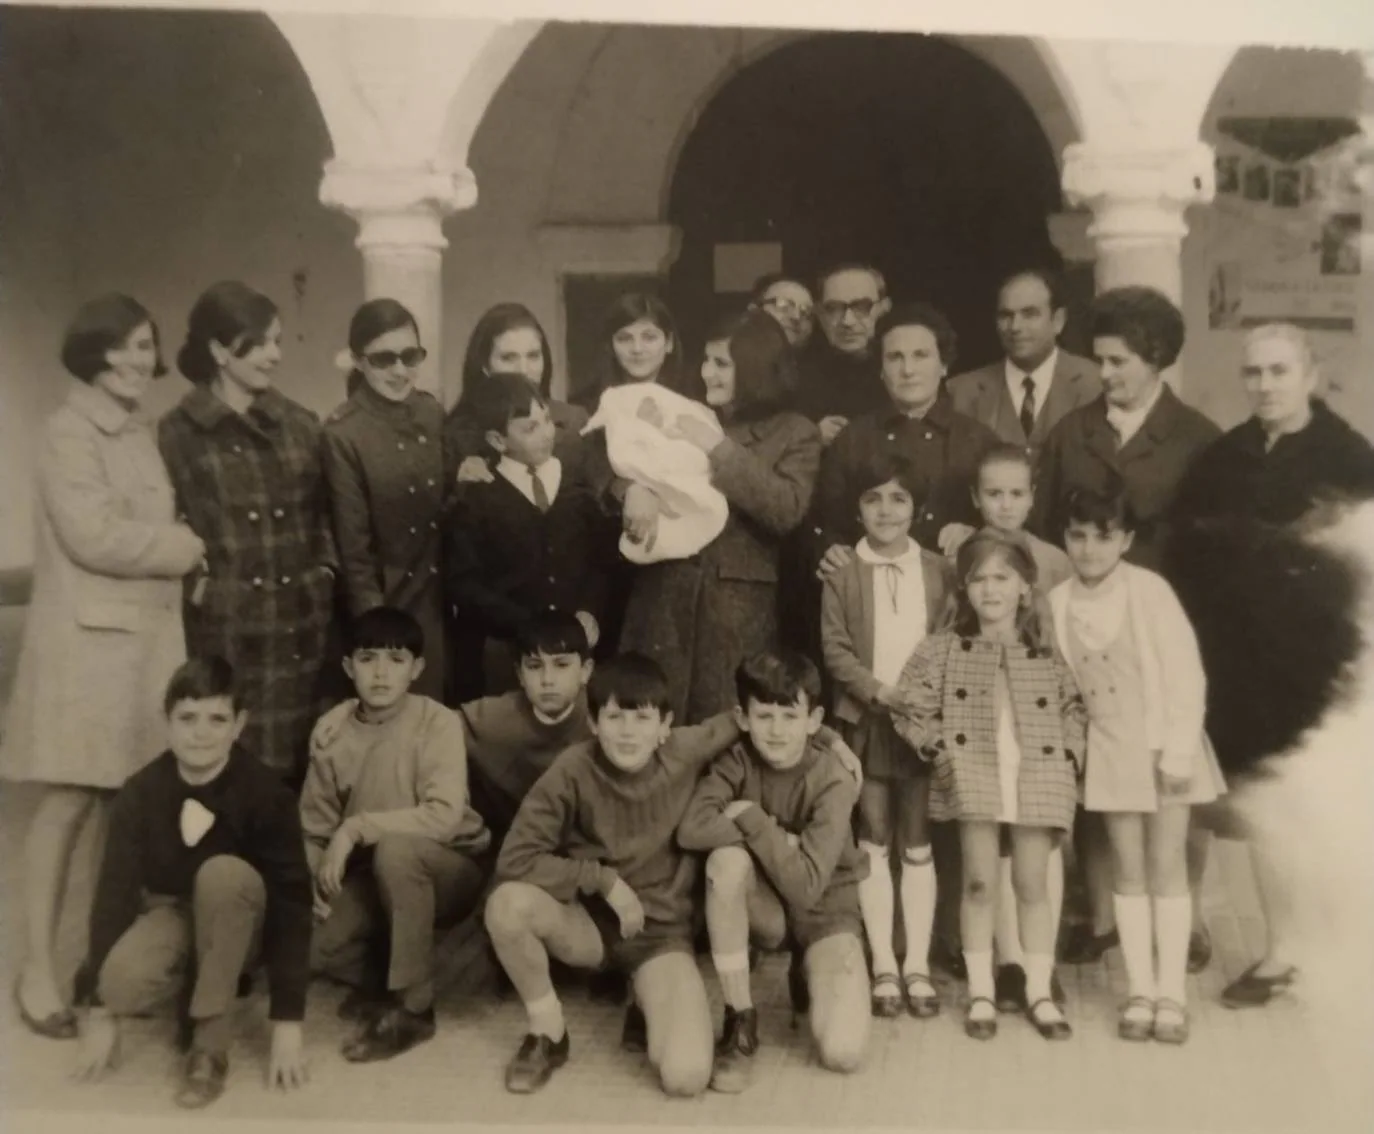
[245,462]
[999,714]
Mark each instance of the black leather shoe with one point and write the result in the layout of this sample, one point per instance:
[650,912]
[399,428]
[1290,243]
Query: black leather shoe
[1084,947]
[950,960]
[360,1005]
[390,1033]
[634,1036]
[1056,1028]
[734,1063]
[1199,949]
[534,1064]
[1010,988]
[980,1029]
[56,1025]
[203,1076]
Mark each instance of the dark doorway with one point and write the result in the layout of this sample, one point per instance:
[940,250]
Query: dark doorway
[904,150]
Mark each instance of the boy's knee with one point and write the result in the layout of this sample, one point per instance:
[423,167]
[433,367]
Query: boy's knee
[684,1072]
[228,878]
[842,1049]
[510,909]
[728,869]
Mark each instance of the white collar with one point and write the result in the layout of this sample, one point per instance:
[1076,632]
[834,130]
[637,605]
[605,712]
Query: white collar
[545,719]
[1128,422]
[550,475]
[866,554]
[1042,375]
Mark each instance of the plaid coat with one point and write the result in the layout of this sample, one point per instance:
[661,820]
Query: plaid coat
[252,487]
[954,722]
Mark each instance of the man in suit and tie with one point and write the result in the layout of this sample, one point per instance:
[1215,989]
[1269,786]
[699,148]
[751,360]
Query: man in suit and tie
[1023,397]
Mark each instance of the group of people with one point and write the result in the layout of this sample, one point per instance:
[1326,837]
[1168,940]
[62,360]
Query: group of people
[408,663]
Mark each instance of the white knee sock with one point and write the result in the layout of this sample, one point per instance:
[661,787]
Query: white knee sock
[1038,968]
[1173,924]
[1054,890]
[1006,934]
[875,902]
[918,908]
[1134,924]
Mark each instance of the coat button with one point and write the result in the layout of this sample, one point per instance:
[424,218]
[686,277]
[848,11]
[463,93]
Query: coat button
[1049,750]
[961,693]
[434,570]
[930,516]
[400,445]
[928,435]
[412,490]
[434,525]
[965,645]
[257,582]
[277,513]
[1042,703]
[892,437]
[421,438]
[253,516]
[959,738]
[431,482]
[285,579]
[238,448]
[414,530]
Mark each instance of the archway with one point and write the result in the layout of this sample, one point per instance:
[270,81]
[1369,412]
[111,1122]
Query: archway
[906,150]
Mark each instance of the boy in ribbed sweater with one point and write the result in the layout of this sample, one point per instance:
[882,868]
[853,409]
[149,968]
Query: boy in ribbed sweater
[773,814]
[591,874]
[393,844]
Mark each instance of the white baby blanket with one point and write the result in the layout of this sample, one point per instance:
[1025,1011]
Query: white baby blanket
[644,447]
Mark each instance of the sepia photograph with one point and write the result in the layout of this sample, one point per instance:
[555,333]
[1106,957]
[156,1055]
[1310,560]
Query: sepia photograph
[815,568]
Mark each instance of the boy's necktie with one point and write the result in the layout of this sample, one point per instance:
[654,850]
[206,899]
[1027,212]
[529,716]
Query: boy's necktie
[541,494]
[1027,405]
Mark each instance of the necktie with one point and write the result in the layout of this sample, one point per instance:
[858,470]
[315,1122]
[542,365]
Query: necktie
[1027,405]
[541,494]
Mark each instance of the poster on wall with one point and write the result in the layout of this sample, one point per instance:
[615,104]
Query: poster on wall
[1287,221]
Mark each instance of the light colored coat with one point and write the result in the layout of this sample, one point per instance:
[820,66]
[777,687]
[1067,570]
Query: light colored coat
[103,633]
[982,394]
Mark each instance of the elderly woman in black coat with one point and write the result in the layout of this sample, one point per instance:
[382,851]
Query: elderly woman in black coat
[1274,615]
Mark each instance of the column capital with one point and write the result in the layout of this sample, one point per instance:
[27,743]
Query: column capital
[402,207]
[1138,194]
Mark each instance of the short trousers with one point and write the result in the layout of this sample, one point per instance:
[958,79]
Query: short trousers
[628,954]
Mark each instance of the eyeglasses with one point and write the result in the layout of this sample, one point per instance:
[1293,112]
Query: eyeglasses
[386,359]
[784,306]
[836,309]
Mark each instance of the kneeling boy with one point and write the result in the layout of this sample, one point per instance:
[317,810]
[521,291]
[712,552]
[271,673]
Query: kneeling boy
[203,869]
[591,874]
[774,814]
[393,845]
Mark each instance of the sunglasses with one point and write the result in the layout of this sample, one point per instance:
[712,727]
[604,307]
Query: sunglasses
[386,359]
[835,309]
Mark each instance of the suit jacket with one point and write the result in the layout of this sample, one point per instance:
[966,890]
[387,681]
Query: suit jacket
[982,394]
[1081,452]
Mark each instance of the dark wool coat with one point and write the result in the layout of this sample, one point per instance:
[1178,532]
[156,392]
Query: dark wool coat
[1081,452]
[252,486]
[1275,616]
[388,485]
[957,726]
[700,617]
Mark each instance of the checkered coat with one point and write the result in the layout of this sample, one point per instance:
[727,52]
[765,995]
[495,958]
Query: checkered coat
[952,720]
[252,487]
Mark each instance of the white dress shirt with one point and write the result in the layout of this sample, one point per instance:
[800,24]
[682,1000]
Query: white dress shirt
[550,475]
[1127,423]
[899,608]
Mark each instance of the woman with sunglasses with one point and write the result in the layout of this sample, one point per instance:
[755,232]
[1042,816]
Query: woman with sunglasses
[389,480]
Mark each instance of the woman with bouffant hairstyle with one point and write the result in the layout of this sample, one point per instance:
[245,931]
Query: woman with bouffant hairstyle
[246,464]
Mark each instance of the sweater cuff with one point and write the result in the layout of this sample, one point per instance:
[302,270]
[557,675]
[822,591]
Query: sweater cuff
[751,821]
[604,879]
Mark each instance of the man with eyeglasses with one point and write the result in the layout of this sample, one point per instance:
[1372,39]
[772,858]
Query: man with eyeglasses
[1023,396]
[787,300]
[840,375]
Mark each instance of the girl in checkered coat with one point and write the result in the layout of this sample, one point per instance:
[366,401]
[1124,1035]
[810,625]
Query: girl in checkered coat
[999,714]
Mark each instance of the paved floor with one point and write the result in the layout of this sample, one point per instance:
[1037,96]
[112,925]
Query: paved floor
[1258,1070]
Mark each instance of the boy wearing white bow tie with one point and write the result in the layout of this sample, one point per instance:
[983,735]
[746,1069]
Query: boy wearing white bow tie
[204,870]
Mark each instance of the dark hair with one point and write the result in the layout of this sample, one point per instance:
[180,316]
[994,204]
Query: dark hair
[199,679]
[385,628]
[883,465]
[552,632]
[375,318]
[628,309]
[632,681]
[768,279]
[919,314]
[778,679]
[823,277]
[972,554]
[1104,508]
[500,399]
[100,326]
[1050,277]
[765,364]
[1005,454]
[494,323]
[1144,319]
[229,313]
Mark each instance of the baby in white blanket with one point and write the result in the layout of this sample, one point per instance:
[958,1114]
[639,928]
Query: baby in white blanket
[644,447]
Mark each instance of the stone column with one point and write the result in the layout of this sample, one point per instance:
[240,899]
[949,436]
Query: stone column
[400,214]
[1138,199]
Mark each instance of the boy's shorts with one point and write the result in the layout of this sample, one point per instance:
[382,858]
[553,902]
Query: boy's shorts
[837,913]
[627,954]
